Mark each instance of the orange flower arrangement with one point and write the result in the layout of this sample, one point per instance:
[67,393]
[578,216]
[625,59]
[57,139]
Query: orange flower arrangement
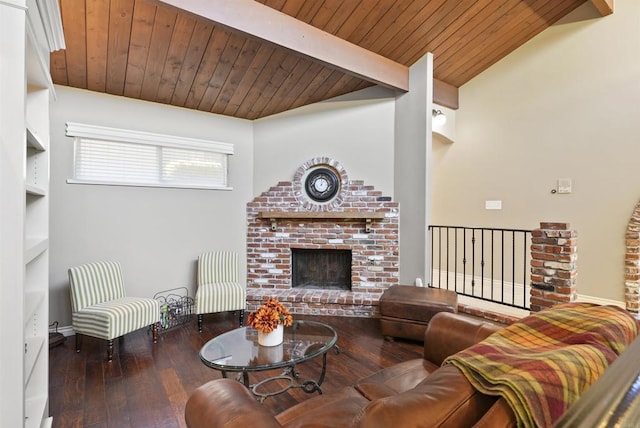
[269,315]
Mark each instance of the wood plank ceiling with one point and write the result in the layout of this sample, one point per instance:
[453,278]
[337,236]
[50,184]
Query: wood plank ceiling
[149,50]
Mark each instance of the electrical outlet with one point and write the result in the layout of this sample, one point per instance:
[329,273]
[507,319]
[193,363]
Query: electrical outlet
[493,205]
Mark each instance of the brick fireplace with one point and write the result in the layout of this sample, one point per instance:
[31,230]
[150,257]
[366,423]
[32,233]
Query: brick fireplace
[356,218]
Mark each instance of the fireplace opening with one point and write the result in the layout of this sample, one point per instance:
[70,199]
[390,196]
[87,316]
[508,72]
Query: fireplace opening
[321,269]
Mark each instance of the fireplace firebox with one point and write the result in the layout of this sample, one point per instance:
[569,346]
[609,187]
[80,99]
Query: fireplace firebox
[325,269]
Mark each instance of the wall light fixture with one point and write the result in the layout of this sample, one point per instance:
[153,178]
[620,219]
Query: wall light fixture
[439,118]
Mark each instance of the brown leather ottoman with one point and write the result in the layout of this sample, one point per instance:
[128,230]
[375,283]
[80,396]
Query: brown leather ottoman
[406,310]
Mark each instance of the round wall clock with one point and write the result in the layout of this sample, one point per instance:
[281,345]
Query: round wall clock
[322,184]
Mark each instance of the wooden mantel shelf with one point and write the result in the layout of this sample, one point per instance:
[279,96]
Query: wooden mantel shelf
[274,216]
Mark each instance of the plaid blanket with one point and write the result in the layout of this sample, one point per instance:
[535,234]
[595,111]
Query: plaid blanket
[544,362]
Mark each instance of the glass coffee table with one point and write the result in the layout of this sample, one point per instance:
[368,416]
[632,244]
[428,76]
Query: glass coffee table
[237,351]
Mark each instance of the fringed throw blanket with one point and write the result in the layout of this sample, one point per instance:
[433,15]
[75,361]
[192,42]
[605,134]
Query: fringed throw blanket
[544,362]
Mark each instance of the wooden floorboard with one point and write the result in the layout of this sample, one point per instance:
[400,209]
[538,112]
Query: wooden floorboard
[148,385]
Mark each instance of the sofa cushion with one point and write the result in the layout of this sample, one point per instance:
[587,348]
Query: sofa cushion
[337,409]
[395,379]
[445,398]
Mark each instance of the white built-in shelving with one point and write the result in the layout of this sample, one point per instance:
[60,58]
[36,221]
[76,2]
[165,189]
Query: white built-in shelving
[30,29]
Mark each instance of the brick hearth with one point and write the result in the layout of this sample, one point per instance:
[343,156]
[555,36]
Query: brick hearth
[322,226]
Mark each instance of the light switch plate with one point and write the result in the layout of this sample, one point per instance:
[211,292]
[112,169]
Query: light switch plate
[564,185]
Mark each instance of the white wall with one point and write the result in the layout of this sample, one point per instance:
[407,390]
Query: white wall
[355,129]
[565,105]
[155,233]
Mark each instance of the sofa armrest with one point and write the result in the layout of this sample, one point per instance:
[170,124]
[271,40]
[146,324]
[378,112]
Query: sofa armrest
[449,333]
[226,403]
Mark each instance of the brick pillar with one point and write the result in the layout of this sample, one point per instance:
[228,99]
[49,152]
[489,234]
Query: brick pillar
[553,265]
[632,264]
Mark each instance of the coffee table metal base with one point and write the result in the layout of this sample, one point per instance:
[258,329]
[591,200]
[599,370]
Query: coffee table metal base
[288,374]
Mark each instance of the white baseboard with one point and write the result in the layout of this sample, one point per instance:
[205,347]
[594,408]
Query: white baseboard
[66,331]
[460,283]
[520,313]
[493,307]
[599,301]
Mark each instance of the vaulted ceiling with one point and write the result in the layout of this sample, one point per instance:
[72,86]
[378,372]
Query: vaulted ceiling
[251,59]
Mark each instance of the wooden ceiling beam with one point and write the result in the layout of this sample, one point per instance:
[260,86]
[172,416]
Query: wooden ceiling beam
[445,94]
[260,21]
[605,7]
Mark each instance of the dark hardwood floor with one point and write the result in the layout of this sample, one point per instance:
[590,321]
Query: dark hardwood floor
[148,385]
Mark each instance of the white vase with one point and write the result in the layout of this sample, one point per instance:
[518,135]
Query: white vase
[273,338]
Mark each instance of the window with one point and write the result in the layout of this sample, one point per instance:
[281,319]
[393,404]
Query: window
[132,158]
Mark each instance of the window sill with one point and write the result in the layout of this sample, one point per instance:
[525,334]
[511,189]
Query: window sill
[168,186]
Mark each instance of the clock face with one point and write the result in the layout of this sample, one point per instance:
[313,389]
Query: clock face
[322,184]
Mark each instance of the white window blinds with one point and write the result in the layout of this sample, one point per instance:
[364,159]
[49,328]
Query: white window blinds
[114,156]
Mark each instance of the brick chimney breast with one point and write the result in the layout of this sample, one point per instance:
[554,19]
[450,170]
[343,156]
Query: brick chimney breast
[358,218]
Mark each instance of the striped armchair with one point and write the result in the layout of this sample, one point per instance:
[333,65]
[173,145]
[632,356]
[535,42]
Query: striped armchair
[100,308]
[219,289]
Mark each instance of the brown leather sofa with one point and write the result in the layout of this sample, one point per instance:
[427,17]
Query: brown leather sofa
[415,393]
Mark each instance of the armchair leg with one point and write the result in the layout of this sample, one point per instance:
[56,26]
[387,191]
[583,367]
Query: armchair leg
[200,316]
[154,332]
[241,317]
[78,342]
[109,350]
